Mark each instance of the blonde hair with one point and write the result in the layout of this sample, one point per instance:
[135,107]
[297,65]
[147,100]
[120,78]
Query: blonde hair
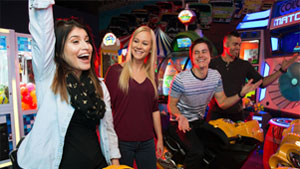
[149,62]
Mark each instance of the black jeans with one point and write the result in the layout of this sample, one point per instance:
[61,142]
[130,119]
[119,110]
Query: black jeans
[193,144]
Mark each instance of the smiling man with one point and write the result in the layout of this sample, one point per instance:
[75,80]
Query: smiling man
[190,92]
[234,72]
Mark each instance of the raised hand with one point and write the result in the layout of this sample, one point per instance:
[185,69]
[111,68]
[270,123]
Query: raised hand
[250,87]
[285,64]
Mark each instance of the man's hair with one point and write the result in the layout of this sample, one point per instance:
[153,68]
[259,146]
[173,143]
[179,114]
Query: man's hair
[198,41]
[201,40]
[231,34]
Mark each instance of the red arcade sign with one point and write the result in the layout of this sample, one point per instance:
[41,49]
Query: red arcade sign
[285,20]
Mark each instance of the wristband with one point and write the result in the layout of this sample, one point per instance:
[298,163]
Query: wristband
[282,71]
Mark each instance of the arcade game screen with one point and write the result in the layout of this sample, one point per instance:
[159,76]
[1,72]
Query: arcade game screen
[250,51]
[167,70]
[182,44]
[287,43]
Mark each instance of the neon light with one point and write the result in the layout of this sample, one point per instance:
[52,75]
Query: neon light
[267,69]
[253,24]
[289,7]
[274,43]
[5,164]
[258,118]
[262,92]
[186,16]
[109,39]
[16,111]
[285,20]
[4,30]
[257,15]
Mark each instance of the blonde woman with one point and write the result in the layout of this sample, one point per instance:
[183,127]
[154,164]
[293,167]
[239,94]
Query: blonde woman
[133,91]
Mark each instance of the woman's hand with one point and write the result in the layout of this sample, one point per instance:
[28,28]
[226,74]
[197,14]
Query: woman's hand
[159,148]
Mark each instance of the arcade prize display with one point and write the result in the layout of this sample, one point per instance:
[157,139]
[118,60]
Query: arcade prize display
[283,95]
[28,107]
[18,103]
[9,109]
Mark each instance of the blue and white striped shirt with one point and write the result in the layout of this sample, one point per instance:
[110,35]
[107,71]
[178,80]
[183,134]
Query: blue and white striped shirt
[193,93]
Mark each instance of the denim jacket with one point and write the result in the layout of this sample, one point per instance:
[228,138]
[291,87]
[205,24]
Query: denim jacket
[42,148]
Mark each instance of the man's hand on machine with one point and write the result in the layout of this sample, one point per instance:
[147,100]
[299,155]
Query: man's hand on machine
[183,123]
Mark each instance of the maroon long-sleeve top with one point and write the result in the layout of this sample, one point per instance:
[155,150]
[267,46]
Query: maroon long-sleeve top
[132,112]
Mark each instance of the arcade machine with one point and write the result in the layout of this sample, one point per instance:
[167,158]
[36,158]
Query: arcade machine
[254,34]
[9,116]
[282,97]
[27,100]
[18,104]
[108,52]
[284,94]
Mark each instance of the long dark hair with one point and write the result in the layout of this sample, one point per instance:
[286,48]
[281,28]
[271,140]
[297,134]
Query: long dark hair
[62,29]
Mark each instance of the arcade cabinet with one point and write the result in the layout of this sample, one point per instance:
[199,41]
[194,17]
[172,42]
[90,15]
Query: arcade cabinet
[254,48]
[9,123]
[283,95]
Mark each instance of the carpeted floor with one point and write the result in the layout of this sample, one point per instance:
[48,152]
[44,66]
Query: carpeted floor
[255,161]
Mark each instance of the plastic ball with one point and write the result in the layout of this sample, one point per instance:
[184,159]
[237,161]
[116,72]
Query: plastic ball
[27,99]
[24,91]
[34,100]
[32,94]
[33,105]
[30,87]
[25,106]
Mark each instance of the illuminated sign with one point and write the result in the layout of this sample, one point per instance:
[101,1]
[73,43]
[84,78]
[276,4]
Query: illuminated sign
[257,15]
[285,20]
[289,6]
[253,24]
[109,39]
[186,16]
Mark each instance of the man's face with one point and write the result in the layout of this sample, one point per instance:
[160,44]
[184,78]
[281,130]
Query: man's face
[233,46]
[201,56]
